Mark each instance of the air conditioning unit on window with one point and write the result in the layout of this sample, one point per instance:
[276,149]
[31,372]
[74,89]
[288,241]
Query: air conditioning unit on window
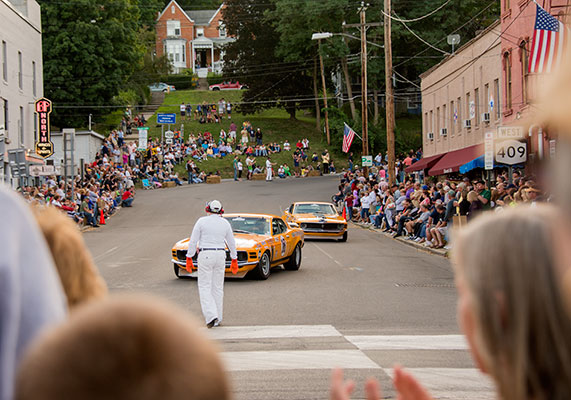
[486,117]
[443,132]
[467,123]
[430,136]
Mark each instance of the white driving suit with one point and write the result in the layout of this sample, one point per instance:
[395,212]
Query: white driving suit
[269,170]
[212,233]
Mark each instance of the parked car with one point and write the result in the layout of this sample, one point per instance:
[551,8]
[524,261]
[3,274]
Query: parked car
[161,87]
[227,86]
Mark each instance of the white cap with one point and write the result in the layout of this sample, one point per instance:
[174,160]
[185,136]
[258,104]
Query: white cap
[215,206]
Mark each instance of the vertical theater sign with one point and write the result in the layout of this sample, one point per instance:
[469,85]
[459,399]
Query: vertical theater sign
[44,145]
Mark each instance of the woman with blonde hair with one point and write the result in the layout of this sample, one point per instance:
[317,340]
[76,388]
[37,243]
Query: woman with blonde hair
[511,307]
[77,271]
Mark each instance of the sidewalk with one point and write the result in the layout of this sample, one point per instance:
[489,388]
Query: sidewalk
[402,239]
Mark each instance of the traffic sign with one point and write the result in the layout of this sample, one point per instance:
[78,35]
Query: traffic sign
[44,170]
[510,132]
[143,137]
[169,134]
[367,161]
[168,141]
[511,152]
[166,118]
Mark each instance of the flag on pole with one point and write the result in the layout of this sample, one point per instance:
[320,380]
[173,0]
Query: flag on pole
[549,38]
[348,136]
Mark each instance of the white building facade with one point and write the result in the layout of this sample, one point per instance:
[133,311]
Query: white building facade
[21,75]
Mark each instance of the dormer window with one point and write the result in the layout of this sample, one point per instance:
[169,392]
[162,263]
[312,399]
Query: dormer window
[221,29]
[199,32]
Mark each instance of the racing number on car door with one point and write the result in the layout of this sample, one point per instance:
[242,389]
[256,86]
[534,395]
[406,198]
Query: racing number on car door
[280,245]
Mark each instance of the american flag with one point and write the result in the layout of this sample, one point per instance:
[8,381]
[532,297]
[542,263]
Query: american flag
[348,136]
[549,38]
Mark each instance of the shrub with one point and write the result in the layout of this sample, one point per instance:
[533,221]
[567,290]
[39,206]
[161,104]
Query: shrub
[213,78]
[180,82]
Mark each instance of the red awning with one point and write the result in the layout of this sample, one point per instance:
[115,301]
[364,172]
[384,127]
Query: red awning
[424,163]
[452,161]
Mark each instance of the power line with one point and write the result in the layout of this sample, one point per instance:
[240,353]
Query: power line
[419,18]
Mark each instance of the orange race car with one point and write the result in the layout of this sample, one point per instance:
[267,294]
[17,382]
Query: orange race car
[262,241]
[318,220]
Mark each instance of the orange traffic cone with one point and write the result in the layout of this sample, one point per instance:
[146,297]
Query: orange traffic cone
[101,218]
[344,215]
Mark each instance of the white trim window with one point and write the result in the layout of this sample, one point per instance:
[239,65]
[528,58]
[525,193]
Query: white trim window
[176,51]
[199,32]
[173,28]
[221,29]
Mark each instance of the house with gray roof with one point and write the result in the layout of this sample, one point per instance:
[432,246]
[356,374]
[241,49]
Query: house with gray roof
[192,39]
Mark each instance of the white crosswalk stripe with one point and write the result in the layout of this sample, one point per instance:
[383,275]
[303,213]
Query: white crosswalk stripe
[453,383]
[351,352]
[409,342]
[266,332]
[296,359]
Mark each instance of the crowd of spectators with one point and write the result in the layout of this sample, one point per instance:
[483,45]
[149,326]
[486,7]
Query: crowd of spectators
[206,113]
[424,212]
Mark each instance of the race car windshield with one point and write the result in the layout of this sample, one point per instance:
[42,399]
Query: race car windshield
[254,225]
[317,209]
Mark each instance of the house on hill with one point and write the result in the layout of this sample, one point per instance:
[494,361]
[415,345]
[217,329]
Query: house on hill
[192,38]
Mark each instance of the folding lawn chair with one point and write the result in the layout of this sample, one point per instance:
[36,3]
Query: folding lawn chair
[147,184]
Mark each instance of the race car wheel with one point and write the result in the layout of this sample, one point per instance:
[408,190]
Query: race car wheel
[215,88]
[294,261]
[262,270]
[344,238]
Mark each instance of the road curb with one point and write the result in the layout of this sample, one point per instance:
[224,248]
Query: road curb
[438,252]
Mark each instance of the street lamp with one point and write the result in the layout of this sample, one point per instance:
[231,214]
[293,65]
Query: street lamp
[318,37]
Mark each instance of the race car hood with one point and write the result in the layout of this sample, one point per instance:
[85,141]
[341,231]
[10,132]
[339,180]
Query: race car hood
[320,218]
[243,241]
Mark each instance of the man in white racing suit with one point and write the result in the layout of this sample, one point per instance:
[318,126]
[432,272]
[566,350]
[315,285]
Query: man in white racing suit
[212,234]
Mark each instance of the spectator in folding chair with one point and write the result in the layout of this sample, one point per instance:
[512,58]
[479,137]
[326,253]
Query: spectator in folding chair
[147,184]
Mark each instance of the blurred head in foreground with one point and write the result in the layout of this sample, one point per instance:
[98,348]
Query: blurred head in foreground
[127,348]
[79,275]
[510,303]
[552,111]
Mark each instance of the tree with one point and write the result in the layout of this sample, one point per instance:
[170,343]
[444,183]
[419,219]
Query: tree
[253,59]
[197,4]
[91,49]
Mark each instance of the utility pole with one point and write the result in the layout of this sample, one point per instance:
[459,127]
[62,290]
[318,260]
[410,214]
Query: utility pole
[389,96]
[364,98]
[324,95]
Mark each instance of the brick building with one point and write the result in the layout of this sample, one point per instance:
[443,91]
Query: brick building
[192,39]
[460,102]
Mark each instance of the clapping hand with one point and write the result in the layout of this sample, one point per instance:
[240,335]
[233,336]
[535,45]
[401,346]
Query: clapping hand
[408,388]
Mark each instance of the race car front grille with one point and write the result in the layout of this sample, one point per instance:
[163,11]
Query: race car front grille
[326,227]
[242,256]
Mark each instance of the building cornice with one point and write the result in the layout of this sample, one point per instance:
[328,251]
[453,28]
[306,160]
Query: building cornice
[22,16]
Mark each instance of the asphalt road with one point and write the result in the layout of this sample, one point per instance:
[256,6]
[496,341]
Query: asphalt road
[364,305]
